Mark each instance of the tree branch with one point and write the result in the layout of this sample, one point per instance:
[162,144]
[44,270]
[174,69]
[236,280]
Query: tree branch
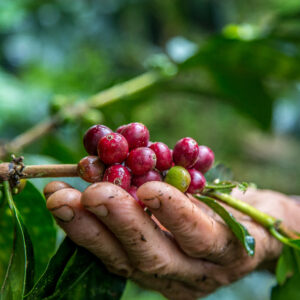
[108,96]
[7,170]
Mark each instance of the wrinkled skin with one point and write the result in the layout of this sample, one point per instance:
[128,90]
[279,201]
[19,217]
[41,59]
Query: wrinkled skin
[194,257]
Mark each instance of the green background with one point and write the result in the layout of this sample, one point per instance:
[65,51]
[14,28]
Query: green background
[238,92]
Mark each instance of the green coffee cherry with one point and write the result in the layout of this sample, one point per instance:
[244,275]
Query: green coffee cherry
[179,177]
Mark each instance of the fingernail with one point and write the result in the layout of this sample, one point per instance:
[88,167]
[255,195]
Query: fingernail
[153,203]
[63,213]
[100,210]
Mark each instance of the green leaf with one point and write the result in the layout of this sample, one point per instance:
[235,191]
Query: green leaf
[239,70]
[238,229]
[32,206]
[289,291]
[74,273]
[286,265]
[287,275]
[243,186]
[85,277]
[295,244]
[219,172]
[47,283]
[20,271]
[6,237]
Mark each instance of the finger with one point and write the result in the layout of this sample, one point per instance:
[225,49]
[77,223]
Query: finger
[148,249]
[86,230]
[198,234]
[54,186]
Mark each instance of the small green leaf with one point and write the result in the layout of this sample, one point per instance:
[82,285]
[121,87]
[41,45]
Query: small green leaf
[243,186]
[6,237]
[295,244]
[286,265]
[219,172]
[20,272]
[289,291]
[221,186]
[238,229]
[47,283]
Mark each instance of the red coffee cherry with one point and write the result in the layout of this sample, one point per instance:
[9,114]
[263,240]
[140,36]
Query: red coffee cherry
[152,175]
[163,155]
[141,160]
[119,175]
[198,182]
[113,148]
[185,152]
[132,191]
[92,137]
[120,128]
[205,159]
[91,169]
[136,134]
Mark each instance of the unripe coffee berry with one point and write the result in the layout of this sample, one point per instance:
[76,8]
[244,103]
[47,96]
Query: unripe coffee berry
[163,155]
[93,136]
[179,177]
[198,182]
[141,160]
[119,175]
[205,159]
[152,175]
[185,152]
[113,148]
[91,169]
[136,134]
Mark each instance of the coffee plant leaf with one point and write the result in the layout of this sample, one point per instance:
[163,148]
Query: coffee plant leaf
[39,222]
[237,228]
[20,272]
[46,284]
[85,277]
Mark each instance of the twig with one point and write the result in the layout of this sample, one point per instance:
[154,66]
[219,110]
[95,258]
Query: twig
[108,96]
[260,217]
[38,171]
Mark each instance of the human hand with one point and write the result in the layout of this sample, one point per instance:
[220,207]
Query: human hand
[197,255]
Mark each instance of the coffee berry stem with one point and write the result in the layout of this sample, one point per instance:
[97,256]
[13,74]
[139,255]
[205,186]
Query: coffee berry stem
[269,222]
[7,171]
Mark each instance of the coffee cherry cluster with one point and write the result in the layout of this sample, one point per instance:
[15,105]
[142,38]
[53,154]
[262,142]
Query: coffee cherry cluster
[128,159]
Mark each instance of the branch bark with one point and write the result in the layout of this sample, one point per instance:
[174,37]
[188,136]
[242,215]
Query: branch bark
[108,96]
[39,171]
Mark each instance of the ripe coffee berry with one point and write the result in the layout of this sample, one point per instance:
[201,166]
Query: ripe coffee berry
[113,148]
[90,169]
[120,128]
[198,182]
[132,191]
[93,136]
[119,175]
[136,134]
[163,155]
[152,175]
[185,152]
[205,159]
[179,177]
[141,160]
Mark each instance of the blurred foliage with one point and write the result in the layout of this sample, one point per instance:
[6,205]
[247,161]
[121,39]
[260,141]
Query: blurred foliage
[237,90]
